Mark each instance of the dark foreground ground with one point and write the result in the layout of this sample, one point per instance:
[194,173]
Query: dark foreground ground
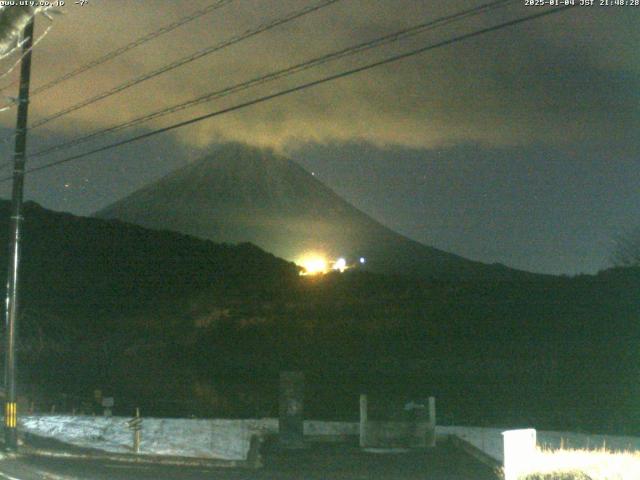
[319,462]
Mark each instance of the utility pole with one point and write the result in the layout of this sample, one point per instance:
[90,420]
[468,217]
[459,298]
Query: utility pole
[11,318]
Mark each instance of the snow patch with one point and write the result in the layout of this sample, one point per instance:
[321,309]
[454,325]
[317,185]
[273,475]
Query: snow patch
[216,439]
[198,438]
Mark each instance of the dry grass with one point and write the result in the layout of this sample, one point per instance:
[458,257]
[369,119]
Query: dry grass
[600,464]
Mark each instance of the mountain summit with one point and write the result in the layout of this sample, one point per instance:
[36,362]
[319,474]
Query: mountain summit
[244,194]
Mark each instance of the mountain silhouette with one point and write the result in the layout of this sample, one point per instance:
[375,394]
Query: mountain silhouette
[240,193]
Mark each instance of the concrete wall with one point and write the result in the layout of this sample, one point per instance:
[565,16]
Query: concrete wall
[416,430]
[201,438]
[386,434]
[329,431]
[230,439]
[221,439]
[487,440]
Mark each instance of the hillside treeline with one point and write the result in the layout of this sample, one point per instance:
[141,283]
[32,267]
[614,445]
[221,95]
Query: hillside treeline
[181,327]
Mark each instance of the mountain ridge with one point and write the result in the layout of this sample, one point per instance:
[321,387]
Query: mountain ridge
[244,194]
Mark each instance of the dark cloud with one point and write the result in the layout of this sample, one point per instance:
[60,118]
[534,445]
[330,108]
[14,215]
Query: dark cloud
[519,146]
[553,80]
[539,209]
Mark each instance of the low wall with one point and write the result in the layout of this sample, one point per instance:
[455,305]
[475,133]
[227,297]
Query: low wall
[487,440]
[231,439]
[395,434]
[201,438]
[390,434]
[219,439]
[329,431]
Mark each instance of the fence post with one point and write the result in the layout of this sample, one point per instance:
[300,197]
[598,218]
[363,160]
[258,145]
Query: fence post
[135,424]
[363,420]
[432,422]
[137,434]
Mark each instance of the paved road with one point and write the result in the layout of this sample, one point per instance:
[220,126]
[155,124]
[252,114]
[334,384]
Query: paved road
[321,462]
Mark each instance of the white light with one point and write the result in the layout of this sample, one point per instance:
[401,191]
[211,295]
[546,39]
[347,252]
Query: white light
[362,260]
[340,265]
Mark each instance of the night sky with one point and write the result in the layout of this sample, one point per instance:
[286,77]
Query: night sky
[520,146]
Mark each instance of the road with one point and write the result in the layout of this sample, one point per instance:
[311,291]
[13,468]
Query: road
[320,462]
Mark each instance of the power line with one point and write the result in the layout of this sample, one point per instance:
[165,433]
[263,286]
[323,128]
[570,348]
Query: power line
[18,62]
[286,72]
[115,53]
[304,86]
[201,53]
[130,46]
